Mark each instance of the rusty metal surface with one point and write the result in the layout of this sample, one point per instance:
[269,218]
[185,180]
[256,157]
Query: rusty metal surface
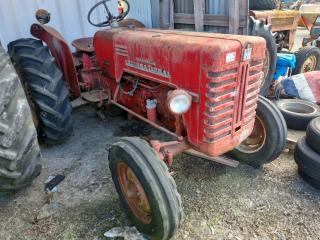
[134,193]
[84,44]
[212,66]
[95,96]
[131,23]
[280,20]
[222,73]
[61,52]
[309,13]
[219,159]
[168,150]
[308,19]
[146,120]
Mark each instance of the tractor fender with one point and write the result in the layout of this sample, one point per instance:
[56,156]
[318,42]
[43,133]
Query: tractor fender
[61,52]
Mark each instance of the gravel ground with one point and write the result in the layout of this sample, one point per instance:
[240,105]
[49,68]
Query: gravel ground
[219,202]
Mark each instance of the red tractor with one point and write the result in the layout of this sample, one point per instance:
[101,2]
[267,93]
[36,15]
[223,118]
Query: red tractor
[202,89]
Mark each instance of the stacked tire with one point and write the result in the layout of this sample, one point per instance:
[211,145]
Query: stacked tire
[298,113]
[262,4]
[307,154]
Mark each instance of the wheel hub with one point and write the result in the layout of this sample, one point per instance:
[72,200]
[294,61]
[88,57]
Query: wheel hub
[257,138]
[309,65]
[134,193]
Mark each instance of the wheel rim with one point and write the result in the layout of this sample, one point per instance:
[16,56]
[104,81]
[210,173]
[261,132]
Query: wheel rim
[257,138]
[134,193]
[309,65]
[266,65]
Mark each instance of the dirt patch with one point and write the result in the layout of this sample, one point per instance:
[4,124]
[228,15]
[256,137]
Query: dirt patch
[219,202]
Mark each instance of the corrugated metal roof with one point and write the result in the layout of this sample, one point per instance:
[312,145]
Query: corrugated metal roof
[69,17]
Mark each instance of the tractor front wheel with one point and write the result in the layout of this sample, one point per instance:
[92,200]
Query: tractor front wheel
[268,137]
[146,189]
[45,87]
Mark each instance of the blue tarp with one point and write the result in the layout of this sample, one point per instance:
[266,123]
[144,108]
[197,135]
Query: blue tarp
[284,61]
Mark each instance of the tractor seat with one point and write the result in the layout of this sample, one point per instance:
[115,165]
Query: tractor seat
[84,44]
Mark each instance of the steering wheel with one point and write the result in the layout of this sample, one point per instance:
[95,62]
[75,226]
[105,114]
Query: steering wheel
[110,17]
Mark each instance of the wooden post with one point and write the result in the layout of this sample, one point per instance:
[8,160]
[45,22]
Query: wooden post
[234,16]
[199,6]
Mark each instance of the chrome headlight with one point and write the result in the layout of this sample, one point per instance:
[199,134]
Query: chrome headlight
[179,101]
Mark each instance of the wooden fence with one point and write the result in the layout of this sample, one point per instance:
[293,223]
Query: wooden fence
[225,16]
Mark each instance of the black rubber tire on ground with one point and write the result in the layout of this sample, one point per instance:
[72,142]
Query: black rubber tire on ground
[308,162]
[262,4]
[258,28]
[19,149]
[313,135]
[40,73]
[274,138]
[298,113]
[159,186]
[312,181]
[303,55]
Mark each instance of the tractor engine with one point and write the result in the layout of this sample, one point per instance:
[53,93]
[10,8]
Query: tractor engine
[201,86]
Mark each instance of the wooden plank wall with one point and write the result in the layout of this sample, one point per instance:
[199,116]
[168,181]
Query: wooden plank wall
[234,23]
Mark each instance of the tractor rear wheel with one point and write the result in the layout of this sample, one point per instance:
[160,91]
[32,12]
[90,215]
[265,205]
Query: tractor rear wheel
[268,137]
[19,148]
[258,28]
[46,88]
[262,4]
[146,189]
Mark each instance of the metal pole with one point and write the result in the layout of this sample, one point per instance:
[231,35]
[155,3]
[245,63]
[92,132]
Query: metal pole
[165,14]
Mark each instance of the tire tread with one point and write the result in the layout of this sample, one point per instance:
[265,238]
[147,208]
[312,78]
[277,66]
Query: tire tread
[19,149]
[48,89]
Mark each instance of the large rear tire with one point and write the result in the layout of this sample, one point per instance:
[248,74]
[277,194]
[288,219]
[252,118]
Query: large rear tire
[44,83]
[146,189]
[262,4]
[19,148]
[268,138]
[258,28]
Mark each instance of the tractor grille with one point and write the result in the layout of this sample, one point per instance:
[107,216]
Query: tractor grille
[121,50]
[253,89]
[231,100]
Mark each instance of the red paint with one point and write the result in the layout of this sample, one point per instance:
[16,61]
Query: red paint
[61,52]
[196,63]
[140,64]
[152,114]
